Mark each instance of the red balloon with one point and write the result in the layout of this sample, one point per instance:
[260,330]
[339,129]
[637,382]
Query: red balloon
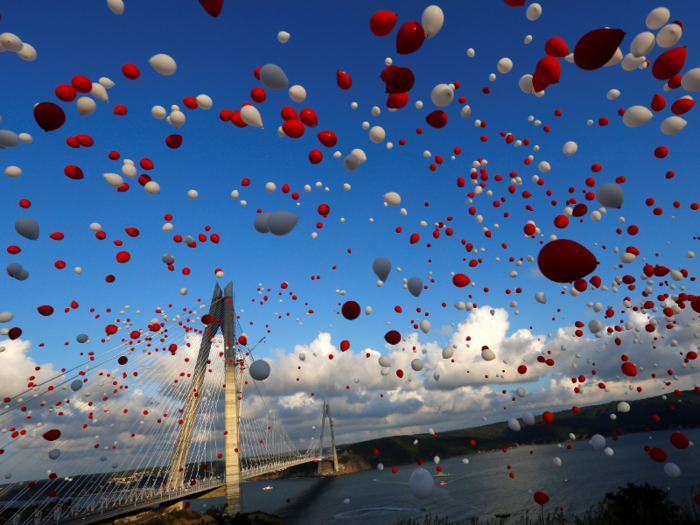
[410,38]
[564,261]
[14,333]
[49,116]
[13,250]
[399,373]
[110,329]
[123,360]
[293,129]
[696,498]
[45,310]
[214,237]
[85,140]
[135,334]
[386,73]
[123,257]
[190,102]
[351,310]
[73,172]
[258,94]
[695,304]
[324,210]
[289,113]
[669,63]
[72,142]
[460,280]
[344,80]
[308,117]
[658,103]
[382,23]
[679,440]
[522,369]
[397,100]
[595,281]
[207,319]
[120,110]
[52,435]
[225,115]
[541,498]
[327,138]
[658,455]
[344,345]
[529,229]
[81,84]
[660,152]
[173,141]
[393,337]
[315,156]
[213,7]
[243,340]
[437,119]
[66,93]
[580,210]
[124,187]
[549,70]
[538,84]
[400,81]
[515,3]
[596,48]
[130,71]
[556,47]
[548,417]
[682,106]
[237,120]
[561,221]
[629,369]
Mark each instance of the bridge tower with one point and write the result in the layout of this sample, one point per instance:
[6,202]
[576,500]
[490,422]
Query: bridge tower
[222,309]
[327,411]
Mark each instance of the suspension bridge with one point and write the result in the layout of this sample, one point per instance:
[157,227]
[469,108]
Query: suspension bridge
[169,413]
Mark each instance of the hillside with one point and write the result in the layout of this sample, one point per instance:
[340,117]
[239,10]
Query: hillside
[675,412]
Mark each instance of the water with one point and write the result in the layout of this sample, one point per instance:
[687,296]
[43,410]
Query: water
[481,488]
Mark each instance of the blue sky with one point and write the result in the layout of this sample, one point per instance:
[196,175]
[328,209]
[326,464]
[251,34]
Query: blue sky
[217,57]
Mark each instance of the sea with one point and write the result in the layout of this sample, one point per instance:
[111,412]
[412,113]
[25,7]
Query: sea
[481,488]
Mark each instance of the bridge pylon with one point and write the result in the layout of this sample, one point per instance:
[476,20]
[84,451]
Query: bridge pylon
[222,309]
[327,411]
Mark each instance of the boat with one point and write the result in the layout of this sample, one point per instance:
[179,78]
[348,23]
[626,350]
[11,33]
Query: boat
[442,483]
[441,475]
[503,515]
[267,488]
[566,480]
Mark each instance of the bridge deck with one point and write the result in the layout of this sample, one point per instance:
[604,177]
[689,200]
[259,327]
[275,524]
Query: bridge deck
[144,500]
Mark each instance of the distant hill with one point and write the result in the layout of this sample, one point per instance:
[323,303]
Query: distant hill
[675,412]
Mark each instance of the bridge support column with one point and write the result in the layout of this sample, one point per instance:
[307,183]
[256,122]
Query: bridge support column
[232,403]
[327,411]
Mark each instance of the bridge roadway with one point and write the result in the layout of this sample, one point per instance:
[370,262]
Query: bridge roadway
[147,498]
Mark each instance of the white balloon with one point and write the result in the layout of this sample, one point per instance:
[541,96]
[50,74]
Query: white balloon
[384,361]
[630,62]
[54,454]
[129,170]
[534,11]
[595,326]
[152,188]
[283,37]
[10,42]
[113,179]
[99,91]
[259,370]
[525,84]
[377,134]
[544,166]
[380,466]
[597,442]
[159,112]
[204,101]
[270,187]
[505,65]
[193,194]
[297,93]
[368,310]
[177,118]
[425,326]
[514,425]
[251,116]
[164,64]
[183,291]
[442,95]
[466,111]
[556,462]
[691,80]
[521,392]
[26,138]
[392,198]
[86,106]
[27,52]
[417,365]
[642,44]
[448,352]
[613,94]
[673,125]
[672,470]
[570,148]
[107,83]
[465,461]
[13,171]
[487,354]
[669,35]
[470,53]
[346,500]
[96,227]
[528,418]
[117,6]
[616,58]
[6,317]
[360,155]
[432,20]
[657,18]
[421,483]
[541,298]
[637,116]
